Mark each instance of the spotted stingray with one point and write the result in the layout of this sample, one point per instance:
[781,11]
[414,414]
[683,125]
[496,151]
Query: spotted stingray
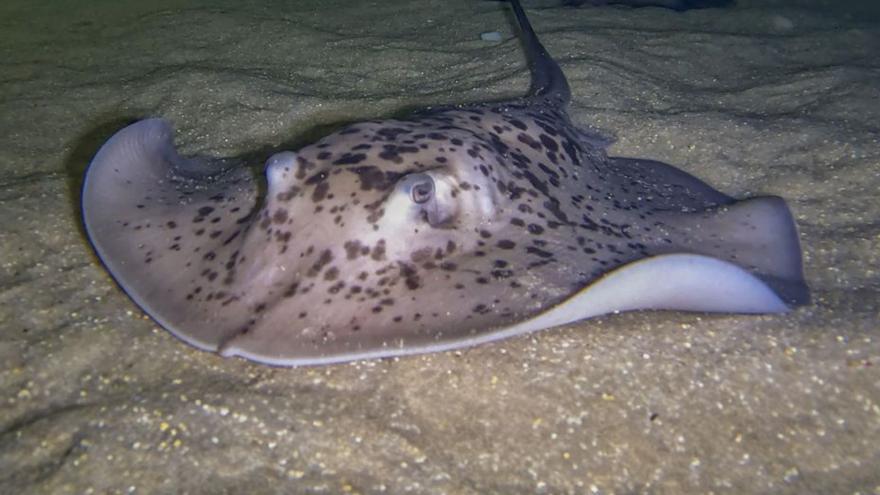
[458,226]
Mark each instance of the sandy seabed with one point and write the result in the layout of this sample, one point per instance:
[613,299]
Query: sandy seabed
[765,98]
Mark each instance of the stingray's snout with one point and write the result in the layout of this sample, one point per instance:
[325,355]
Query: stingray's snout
[281,171]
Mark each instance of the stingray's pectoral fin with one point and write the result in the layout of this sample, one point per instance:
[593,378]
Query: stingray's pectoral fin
[168,229]
[757,234]
[686,282]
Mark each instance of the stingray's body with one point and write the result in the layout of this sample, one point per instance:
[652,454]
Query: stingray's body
[458,226]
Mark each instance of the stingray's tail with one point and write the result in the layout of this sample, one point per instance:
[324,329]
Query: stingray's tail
[548,81]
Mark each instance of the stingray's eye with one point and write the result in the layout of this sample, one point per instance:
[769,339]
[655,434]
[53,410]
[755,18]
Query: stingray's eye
[422,189]
[424,196]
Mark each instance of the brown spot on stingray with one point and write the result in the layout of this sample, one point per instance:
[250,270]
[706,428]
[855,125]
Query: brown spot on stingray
[325,258]
[379,251]
[352,249]
[280,216]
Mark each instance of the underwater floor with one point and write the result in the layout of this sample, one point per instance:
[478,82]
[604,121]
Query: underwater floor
[763,98]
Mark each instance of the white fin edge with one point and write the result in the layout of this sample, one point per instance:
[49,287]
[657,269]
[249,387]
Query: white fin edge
[684,282]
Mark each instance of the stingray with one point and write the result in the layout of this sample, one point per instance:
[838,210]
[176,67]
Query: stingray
[458,226]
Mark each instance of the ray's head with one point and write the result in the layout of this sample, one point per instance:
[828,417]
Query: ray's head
[373,185]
